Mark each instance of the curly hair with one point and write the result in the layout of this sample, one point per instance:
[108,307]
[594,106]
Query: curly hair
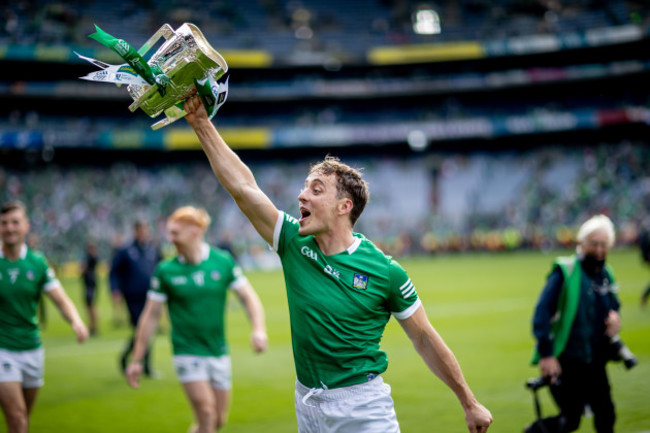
[349,183]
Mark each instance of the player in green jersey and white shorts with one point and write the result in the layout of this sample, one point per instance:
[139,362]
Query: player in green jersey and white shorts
[341,290]
[195,285]
[24,274]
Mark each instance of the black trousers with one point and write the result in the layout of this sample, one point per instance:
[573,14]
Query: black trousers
[135,305]
[124,358]
[645,295]
[582,384]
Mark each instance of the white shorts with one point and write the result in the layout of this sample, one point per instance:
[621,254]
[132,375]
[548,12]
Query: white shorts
[363,408]
[25,367]
[216,370]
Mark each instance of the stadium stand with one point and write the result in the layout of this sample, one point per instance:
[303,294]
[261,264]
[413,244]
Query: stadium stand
[536,193]
[540,124]
[338,25]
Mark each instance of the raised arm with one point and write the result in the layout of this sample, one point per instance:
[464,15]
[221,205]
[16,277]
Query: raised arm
[255,311]
[146,328]
[69,312]
[442,362]
[232,173]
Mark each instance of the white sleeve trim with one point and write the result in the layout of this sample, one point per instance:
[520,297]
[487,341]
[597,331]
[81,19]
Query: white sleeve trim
[402,315]
[52,285]
[156,296]
[238,283]
[277,231]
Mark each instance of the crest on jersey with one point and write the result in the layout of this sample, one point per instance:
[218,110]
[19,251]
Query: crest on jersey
[13,274]
[360,282]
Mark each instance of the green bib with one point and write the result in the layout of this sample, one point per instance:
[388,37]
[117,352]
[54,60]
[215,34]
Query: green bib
[567,303]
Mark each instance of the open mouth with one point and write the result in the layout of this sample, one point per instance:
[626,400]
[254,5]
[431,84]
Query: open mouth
[304,214]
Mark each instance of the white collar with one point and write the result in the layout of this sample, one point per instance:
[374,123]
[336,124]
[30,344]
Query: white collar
[23,252]
[355,244]
[205,254]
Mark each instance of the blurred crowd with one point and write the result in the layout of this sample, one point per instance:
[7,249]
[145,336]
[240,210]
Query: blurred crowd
[310,24]
[429,203]
[537,199]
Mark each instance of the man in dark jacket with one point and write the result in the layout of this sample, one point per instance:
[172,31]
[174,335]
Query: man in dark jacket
[131,272]
[575,317]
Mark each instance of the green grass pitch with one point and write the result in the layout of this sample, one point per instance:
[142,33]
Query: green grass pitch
[480,303]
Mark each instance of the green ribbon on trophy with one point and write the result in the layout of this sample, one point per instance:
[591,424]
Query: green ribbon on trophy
[151,75]
[213,92]
[184,65]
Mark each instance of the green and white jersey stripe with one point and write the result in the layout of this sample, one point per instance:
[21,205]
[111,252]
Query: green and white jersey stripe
[339,306]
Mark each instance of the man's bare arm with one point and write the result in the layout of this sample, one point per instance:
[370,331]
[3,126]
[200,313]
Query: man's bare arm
[442,362]
[251,301]
[231,172]
[146,327]
[69,312]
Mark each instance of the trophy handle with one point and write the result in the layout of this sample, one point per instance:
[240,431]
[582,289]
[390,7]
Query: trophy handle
[165,31]
[173,113]
[205,46]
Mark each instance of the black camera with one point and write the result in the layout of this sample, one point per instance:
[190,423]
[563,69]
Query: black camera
[538,382]
[618,351]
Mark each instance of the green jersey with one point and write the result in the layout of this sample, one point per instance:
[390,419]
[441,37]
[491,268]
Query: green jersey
[339,306]
[21,283]
[196,299]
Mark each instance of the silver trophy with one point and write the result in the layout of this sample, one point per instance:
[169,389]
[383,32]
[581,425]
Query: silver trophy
[183,65]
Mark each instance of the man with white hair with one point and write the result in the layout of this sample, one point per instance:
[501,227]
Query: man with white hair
[575,317]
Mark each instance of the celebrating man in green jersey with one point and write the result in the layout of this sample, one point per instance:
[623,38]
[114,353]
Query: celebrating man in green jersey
[195,284]
[341,291]
[23,275]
